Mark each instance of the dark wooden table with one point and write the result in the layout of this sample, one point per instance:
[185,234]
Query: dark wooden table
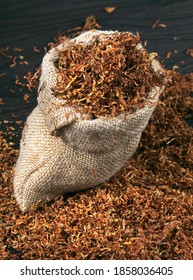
[28,24]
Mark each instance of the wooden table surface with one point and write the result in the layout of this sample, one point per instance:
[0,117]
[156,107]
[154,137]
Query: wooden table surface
[28,24]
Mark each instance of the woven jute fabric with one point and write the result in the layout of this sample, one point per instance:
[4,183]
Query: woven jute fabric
[62,150]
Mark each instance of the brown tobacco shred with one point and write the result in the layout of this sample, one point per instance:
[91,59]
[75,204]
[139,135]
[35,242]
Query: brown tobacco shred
[2,101]
[3,52]
[162,25]
[90,23]
[109,10]
[36,49]
[144,212]
[157,23]
[189,52]
[168,55]
[18,82]
[33,79]
[106,77]
[24,62]
[14,63]
[17,49]
[26,97]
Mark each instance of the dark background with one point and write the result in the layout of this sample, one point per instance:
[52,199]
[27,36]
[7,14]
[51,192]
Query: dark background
[25,24]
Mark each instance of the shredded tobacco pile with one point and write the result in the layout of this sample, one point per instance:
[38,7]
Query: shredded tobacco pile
[144,212]
[106,77]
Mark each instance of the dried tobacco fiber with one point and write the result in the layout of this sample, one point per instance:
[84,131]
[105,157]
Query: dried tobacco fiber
[145,211]
[107,76]
[64,149]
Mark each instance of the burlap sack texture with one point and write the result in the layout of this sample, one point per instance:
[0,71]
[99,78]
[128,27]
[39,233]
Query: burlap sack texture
[62,150]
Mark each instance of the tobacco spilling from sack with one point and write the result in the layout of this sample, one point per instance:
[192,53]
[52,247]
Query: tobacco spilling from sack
[149,202]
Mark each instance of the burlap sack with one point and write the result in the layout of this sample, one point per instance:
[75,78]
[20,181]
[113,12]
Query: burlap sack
[63,150]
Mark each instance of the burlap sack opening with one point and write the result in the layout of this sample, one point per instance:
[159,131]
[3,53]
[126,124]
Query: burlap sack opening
[63,150]
[79,130]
